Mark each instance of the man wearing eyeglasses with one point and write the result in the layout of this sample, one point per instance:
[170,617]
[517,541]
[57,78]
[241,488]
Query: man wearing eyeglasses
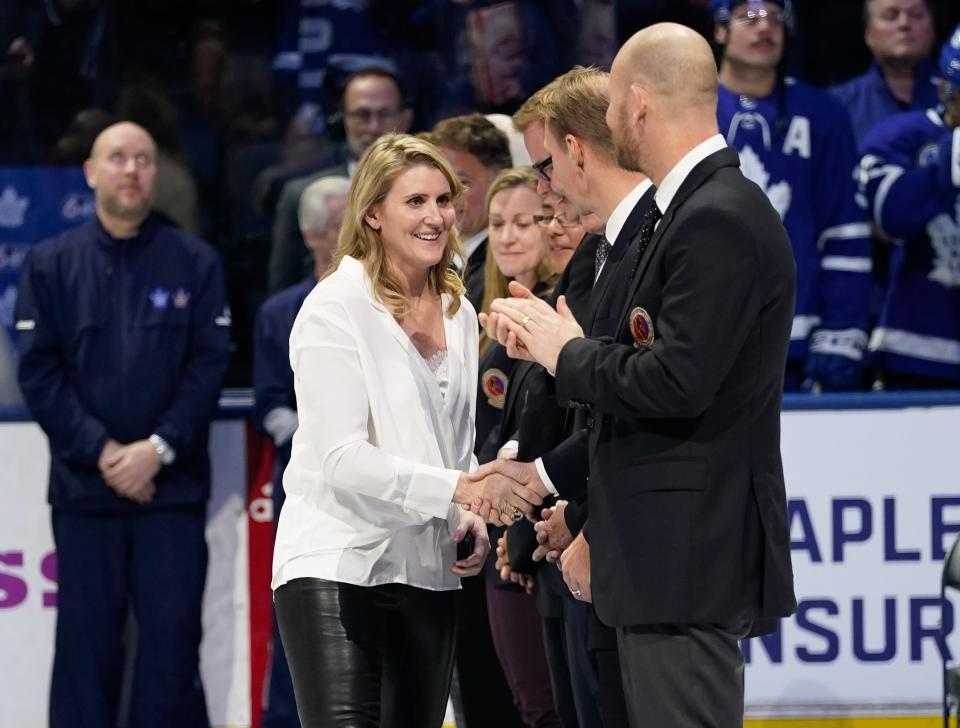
[566,133]
[373,105]
[796,143]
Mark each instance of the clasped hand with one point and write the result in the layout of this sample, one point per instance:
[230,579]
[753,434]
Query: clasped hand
[501,491]
[529,328]
[130,469]
[553,536]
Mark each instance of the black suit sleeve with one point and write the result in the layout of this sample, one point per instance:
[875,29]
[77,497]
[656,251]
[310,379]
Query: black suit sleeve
[710,301]
[575,516]
[568,465]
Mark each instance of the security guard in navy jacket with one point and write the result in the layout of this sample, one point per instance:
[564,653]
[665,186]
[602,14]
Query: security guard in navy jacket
[124,335]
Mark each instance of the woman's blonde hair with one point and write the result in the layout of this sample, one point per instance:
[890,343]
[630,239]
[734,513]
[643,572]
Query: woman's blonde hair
[379,166]
[495,282]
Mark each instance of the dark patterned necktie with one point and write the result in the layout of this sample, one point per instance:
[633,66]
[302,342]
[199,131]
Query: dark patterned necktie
[646,233]
[603,250]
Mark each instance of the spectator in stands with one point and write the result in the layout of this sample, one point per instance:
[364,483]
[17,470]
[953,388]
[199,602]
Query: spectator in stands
[321,212]
[147,105]
[899,34]
[373,104]
[73,148]
[124,335]
[320,45]
[474,55]
[910,177]
[796,143]
[20,25]
[478,151]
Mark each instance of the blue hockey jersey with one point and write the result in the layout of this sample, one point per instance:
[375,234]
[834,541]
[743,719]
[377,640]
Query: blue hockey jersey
[797,145]
[910,177]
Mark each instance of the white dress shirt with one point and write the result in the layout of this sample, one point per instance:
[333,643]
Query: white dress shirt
[376,458]
[675,177]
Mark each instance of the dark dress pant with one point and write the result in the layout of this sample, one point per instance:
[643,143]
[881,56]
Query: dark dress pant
[153,562]
[683,676]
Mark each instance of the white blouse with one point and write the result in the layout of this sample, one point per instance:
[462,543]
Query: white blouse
[376,458]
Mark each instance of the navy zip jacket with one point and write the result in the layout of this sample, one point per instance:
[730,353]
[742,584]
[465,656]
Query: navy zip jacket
[121,339]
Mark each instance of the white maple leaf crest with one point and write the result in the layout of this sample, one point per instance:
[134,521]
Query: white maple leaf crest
[944,232]
[779,194]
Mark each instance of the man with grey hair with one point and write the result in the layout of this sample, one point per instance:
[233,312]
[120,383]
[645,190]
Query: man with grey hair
[899,34]
[320,212]
[321,201]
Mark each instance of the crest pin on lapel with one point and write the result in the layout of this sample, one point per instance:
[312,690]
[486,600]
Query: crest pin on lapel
[641,327]
[495,384]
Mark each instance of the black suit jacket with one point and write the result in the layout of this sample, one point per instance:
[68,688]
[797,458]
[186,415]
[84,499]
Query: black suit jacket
[473,274]
[687,505]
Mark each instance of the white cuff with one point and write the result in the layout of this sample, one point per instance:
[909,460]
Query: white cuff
[538,463]
[509,445]
[281,423]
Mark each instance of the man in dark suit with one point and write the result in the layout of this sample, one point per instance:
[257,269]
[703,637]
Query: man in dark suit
[569,138]
[688,538]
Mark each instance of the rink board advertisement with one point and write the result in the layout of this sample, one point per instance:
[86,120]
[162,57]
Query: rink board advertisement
[874,498]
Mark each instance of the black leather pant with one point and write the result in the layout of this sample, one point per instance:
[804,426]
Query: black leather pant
[368,657]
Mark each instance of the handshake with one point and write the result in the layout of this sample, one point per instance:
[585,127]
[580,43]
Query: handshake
[501,492]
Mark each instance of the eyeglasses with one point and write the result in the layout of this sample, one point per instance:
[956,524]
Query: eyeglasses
[521,220]
[365,116]
[545,220]
[754,15]
[542,166]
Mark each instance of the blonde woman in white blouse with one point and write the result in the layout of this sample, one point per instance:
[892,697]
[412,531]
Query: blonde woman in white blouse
[384,356]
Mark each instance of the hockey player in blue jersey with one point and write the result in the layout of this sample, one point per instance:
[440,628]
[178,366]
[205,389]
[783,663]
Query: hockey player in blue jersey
[797,144]
[910,178]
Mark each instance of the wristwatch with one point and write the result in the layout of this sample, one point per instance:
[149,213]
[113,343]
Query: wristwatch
[166,453]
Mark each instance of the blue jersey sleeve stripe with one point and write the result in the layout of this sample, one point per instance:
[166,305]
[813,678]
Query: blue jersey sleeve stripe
[847,264]
[847,231]
[917,346]
[892,175]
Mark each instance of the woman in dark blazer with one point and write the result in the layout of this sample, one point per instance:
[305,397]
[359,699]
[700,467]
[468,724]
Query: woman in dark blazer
[519,250]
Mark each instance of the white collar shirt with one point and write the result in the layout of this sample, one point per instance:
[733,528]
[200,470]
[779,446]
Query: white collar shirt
[681,170]
[379,449]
